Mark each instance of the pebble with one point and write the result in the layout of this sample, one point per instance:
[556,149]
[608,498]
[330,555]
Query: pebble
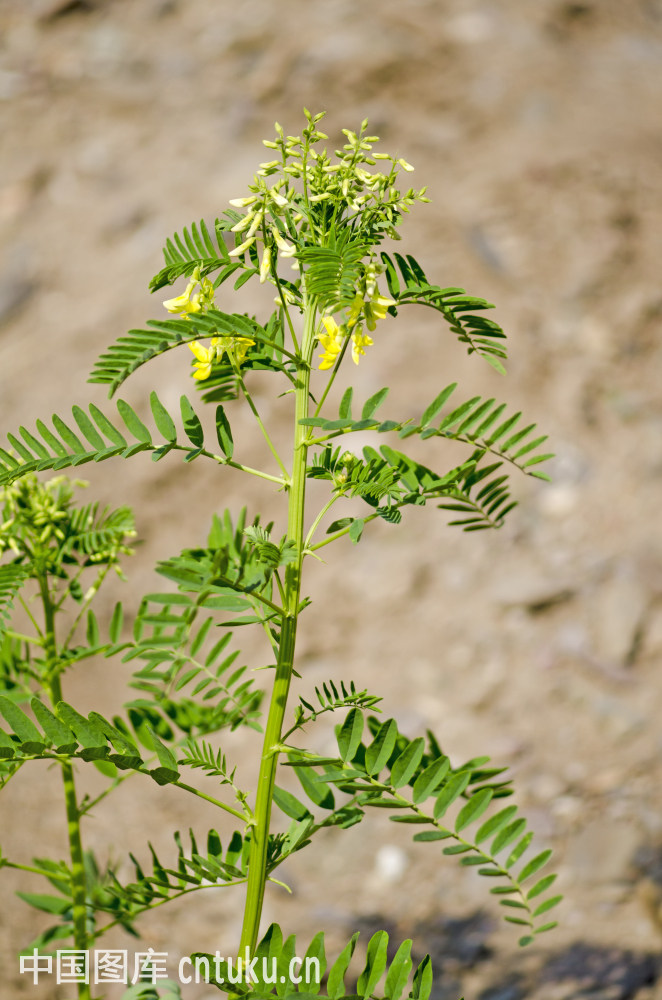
[619,610]
[15,294]
[601,852]
[558,501]
[652,638]
[470,27]
[567,808]
[547,788]
[390,863]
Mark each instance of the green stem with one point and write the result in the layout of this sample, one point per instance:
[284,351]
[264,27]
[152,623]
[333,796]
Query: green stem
[366,519]
[91,594]
[246,468]
[23,868]
[216,802]
[177,895]
[340,533]
[87,805]
[30,616]
[23,638]
[314,526]
[265,433]
[222,460]
[332,377]
[78,880]
[257,874]
[278,347]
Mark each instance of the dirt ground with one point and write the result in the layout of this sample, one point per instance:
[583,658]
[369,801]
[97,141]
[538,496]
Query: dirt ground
[537,128]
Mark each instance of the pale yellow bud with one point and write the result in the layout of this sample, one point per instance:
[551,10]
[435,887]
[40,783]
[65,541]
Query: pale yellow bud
[242,247]
[242,202]
[265,265]
[243,223]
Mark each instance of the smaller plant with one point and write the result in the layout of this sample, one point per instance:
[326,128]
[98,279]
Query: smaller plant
[61,555]
[324,219]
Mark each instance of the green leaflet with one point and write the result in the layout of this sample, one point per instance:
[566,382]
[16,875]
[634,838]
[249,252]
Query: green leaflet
[63,448]
[224,432]
[138,347]
[349,735]
[192,425]
[380,750]
[379,776]
[335,986]
[12,578]
[164,422]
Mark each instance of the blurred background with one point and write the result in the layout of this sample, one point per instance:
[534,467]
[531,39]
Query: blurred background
[537,129]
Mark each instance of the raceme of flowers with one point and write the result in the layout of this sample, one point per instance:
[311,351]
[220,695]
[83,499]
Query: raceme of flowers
[284,218]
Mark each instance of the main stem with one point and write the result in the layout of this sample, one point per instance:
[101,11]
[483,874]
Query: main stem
[257,862]
[78,880]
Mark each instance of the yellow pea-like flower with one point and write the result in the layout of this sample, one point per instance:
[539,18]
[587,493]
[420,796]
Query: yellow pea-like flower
[332,342]
[234,345]
[360,341]
[354,311]
[205,357]
[185,303]
[190,301]
[376,309]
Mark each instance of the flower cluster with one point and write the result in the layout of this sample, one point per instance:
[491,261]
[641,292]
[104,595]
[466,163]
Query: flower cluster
[367,304]
[297,198]
[305,200]
[40,518]
[190,301]
[235,347]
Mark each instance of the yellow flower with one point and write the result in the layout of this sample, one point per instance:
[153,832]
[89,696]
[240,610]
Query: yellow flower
[360,341]
[332,342]
[190,302]
[265,266]
[235,346]
[286,249]
[205,356]
[376,309]
[242,247]
[185,303]
[354,311]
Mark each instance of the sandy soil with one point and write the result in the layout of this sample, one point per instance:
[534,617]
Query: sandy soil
[536,127]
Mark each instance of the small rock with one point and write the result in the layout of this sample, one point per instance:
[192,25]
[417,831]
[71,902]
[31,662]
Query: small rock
[559,500]
[601,853]
[568,808]
[652,633]
[547,788]
[60,8]
[605,973]
[619,609]
[620,718]
[470,27]
[390,863]
[533,592]
[606,782]
[15,294]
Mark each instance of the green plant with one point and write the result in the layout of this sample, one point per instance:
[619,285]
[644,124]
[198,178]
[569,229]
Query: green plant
[328,219]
